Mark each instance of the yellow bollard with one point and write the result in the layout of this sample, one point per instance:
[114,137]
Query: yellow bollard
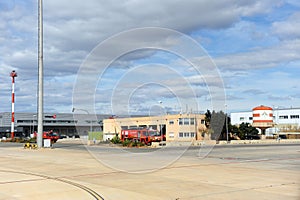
[34,146]
[27,145]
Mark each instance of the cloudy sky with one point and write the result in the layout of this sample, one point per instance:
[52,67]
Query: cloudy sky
[102,56]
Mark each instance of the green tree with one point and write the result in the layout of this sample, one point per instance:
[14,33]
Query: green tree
[247,131]
[207,119]
[215,123]
[235,130]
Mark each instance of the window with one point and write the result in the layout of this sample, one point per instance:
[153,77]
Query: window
[180,134]
[202,121]
[146,133]
[186,121]
[153,127]
[242,118]
[283,117]
[171,134]
[192,121]
[250,118]
[186,134]
[180,121]
[192,134]
[171,122]
[24,121]
[294,116]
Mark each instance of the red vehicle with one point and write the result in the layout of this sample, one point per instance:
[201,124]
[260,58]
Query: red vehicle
[49,135]
[143,135]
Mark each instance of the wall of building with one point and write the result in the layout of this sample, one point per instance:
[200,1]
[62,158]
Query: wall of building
[285,120]
[179,127]
[62,123]
[240,117]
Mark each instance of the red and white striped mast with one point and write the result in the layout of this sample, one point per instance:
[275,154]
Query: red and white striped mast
[13,74]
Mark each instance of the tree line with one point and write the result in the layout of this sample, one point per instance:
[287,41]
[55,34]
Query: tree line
[219,123]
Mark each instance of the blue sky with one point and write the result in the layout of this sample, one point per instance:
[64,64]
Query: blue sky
[254,45]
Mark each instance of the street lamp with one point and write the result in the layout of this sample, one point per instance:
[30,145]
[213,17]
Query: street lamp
[226,123]
[161,133]
[91,127]
[40,128]
[276,120]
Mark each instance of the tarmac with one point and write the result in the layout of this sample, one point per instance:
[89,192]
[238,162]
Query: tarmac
[262,172]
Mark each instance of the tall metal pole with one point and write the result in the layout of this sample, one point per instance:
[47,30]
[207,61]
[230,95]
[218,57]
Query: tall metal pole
[226,123]
[161,133]
[40,75]
[13,74]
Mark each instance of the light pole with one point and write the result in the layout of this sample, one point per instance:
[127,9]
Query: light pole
[276,120]
[40,76]
[91,127]
[226,122]
[161,133]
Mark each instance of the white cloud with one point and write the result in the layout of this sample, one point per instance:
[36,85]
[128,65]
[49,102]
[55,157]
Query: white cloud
[289,28]
[72,28]
[261,58]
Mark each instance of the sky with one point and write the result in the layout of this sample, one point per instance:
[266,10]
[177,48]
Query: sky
[151,57]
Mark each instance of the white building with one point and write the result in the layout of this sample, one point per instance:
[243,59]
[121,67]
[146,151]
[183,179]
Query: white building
[286,121]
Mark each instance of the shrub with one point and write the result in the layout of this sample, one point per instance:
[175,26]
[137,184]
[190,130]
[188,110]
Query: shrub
[137,144]
[116,140]
[126,143]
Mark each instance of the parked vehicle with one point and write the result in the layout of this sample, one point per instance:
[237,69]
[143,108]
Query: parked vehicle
[62,136]
[49,135]
[144,135]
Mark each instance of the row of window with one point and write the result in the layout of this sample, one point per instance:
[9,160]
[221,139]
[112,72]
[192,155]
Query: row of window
[286,117]
[186,121]
[183,135]
[153,126]
[243,118]
[280,117]
[186,134]
[46,121]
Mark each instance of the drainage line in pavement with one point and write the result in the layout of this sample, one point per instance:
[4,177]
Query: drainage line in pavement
[80,186]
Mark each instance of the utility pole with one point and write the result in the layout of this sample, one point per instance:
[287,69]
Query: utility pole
[40,75]
[161,123]
[226,121]
[13,74]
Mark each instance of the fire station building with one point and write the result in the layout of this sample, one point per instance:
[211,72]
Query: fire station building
[176,127]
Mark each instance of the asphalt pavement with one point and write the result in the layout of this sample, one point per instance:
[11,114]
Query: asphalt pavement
[75,171]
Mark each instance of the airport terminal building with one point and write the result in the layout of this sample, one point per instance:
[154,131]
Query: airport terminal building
[286,122]
[62,123]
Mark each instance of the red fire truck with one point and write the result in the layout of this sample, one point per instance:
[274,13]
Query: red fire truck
[143,135]
[48,135]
